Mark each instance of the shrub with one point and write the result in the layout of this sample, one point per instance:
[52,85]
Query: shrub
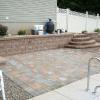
[84,31]
[3,30]
[97,30]
[21,32]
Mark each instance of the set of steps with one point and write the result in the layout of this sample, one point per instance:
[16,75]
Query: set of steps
[82,41]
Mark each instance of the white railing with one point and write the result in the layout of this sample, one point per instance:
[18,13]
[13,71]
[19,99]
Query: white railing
[88,74]
[73,21]
[2,90]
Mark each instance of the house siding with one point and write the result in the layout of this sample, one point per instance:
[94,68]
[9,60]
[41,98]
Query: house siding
[36,11]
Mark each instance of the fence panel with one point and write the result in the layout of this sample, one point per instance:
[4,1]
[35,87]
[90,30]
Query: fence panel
[76,22]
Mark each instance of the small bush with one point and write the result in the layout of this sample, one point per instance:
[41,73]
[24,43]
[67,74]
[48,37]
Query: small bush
[84,31]
[97,30]
[3,30]
[22,32]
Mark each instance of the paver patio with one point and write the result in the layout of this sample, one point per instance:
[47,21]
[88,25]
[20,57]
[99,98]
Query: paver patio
[43,71]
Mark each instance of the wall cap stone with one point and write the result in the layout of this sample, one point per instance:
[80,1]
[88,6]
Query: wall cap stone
[34,36]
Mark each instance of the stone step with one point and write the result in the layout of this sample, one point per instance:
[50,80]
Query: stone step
[81,39]
[82,42]
[86,34]
[83,46]
[80,35]
[92,34]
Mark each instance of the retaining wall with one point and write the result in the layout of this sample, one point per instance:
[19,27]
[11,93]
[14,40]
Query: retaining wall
[25,44]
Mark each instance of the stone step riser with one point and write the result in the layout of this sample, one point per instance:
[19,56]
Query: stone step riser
[83,42]
[85,35]
[82,47]
[81,39]
[79,36]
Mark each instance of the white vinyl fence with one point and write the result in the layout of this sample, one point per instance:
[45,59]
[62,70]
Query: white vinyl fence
[76,22]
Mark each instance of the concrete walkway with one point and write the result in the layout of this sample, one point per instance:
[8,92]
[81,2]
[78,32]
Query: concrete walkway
[74,91]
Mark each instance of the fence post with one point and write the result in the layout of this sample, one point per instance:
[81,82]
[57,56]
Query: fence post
[67,18]
[97,19]
[57,24]
[86,21]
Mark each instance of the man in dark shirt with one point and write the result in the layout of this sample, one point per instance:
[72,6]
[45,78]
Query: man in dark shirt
[49,27]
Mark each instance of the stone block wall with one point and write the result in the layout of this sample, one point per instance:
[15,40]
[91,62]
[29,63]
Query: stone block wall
[26,44]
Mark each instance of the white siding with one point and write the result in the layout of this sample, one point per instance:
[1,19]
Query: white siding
[27,10]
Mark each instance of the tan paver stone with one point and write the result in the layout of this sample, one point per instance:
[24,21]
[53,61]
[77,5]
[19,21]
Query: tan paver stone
[3,60]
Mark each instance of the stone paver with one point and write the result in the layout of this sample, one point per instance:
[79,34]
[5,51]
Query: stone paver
[43,71]
[2,60]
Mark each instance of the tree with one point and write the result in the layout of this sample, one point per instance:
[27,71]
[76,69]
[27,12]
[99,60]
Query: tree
[93,6]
